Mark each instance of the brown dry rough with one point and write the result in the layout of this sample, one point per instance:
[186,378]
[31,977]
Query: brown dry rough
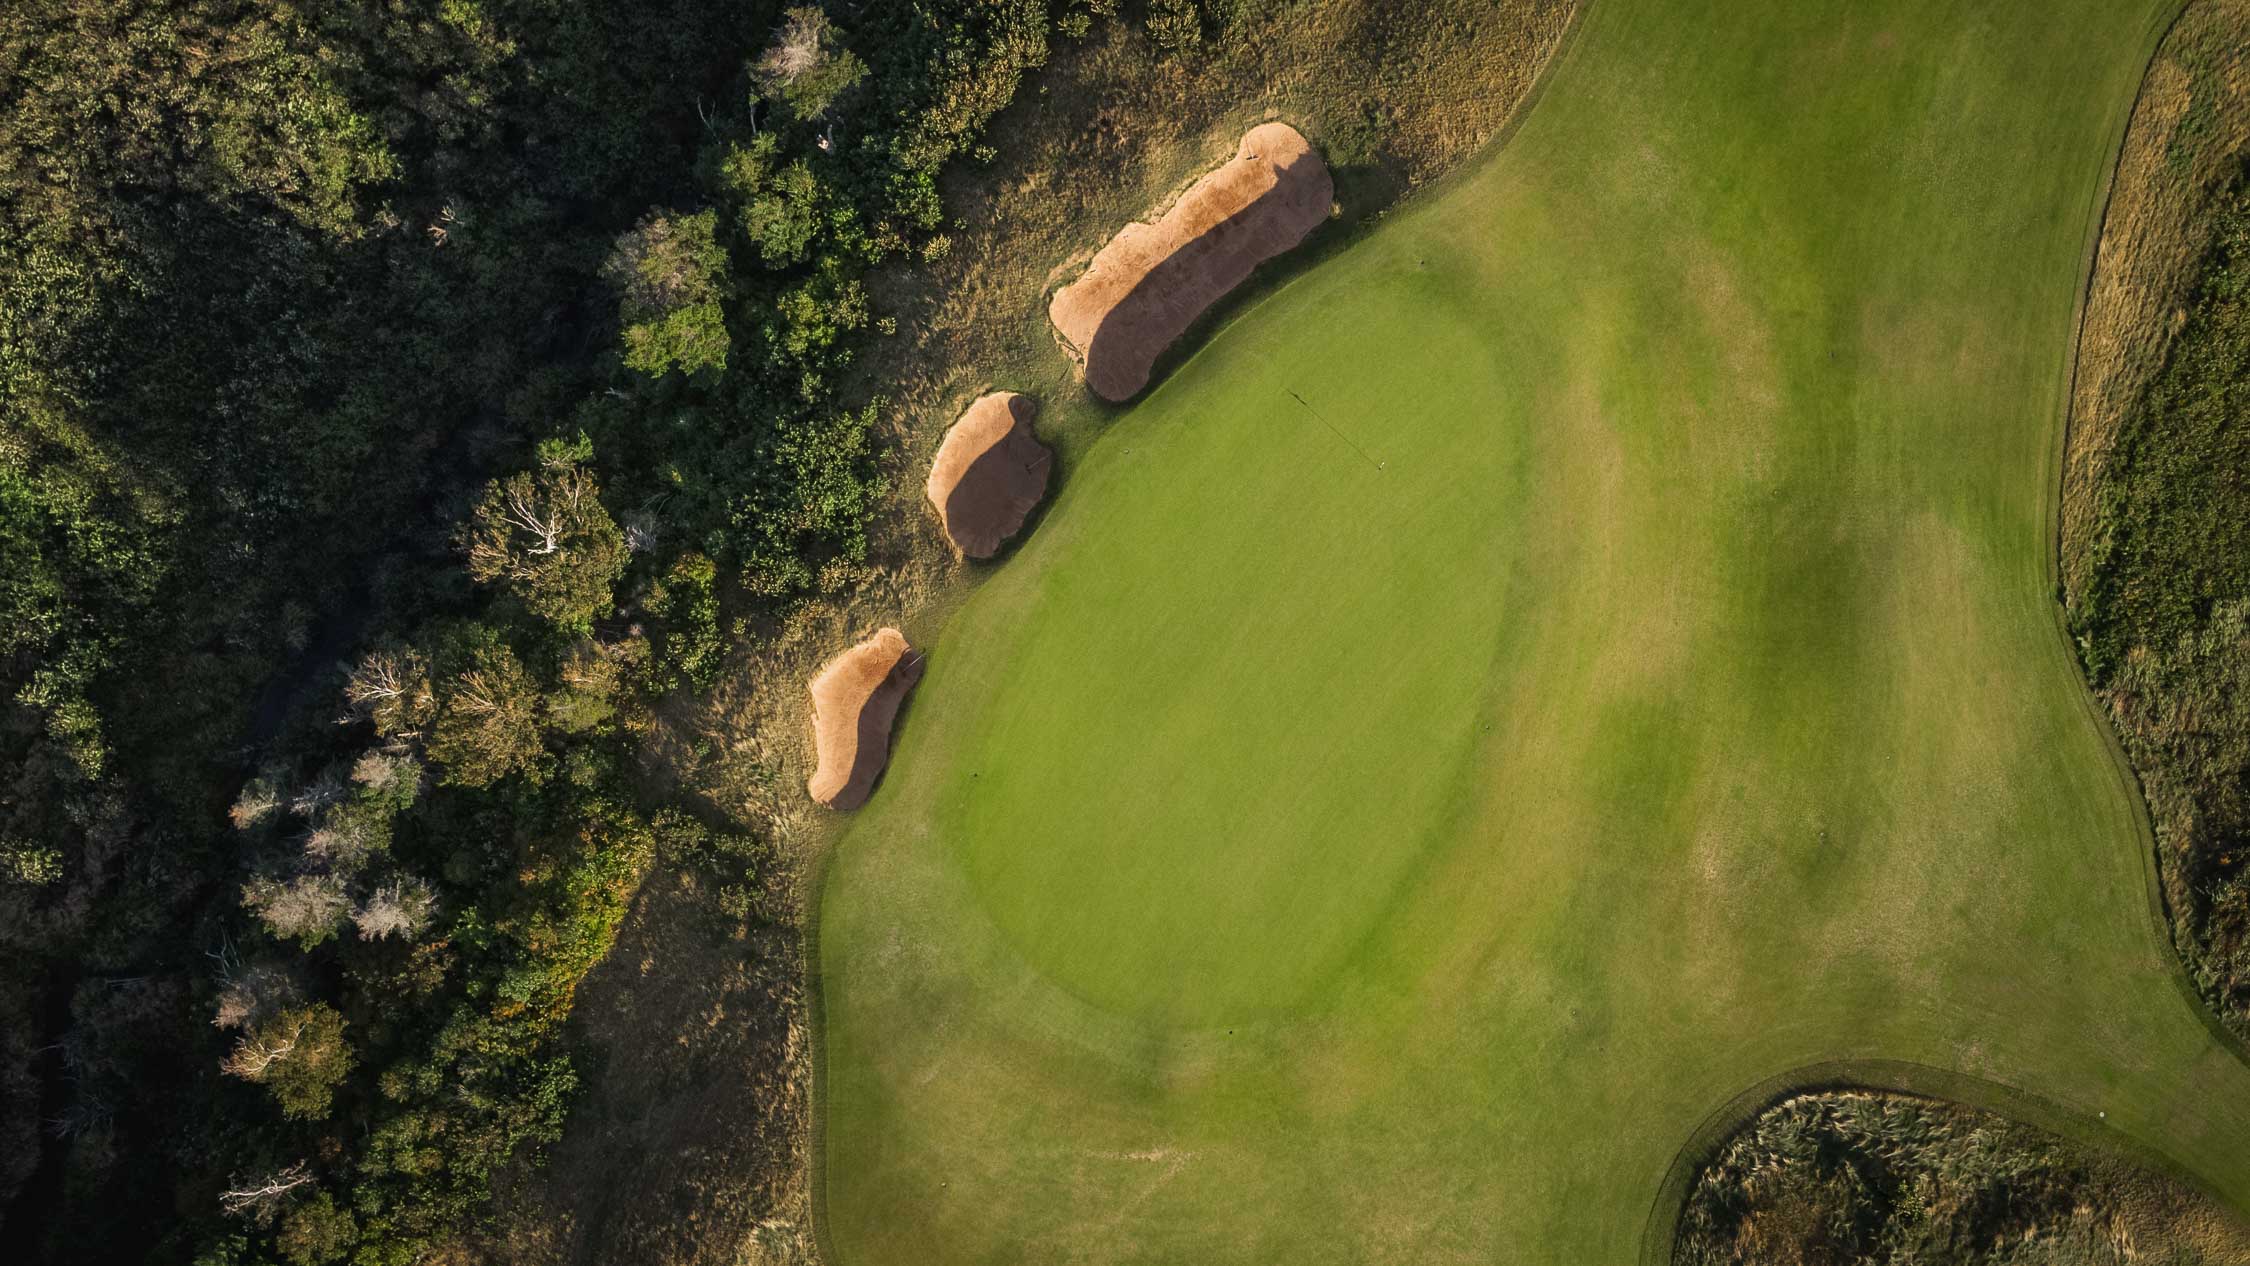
[2182,153]
[989,473]
[1152,281]
[855,698]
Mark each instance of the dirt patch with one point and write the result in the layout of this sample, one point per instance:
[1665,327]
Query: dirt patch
[1152,281]
[989,473]
[692,1145]
[855,698]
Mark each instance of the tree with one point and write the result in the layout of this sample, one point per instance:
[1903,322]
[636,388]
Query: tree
[805,68]
[668,272]
[816,512]
[1173,25]
[783,213]
[252,994]
[306,909]
[259,798]
[545,534]
[588,695]
[261,1197]
[401,909]
[685,604]
[487,721]
[316,1232]
[391,688]
[299,1055]
[393,776]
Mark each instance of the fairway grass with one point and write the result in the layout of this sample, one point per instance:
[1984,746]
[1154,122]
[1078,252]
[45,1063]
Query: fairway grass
[1579,655]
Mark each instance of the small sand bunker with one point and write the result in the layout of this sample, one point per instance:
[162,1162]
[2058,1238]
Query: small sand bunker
[989,473]
[1153,280]
[855,698]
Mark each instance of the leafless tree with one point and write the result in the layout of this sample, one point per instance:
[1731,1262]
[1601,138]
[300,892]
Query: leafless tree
[391,687]
[399,909]
[262,1197]
[796,48]
[307,907]
[379,678]
[257,802]
[640,532]
[477,693]
[84,1114]
[541,516]
[325,789]
[339,844]
[249,994]
[805,67]
[255,1055]
[381,771]
[544,532]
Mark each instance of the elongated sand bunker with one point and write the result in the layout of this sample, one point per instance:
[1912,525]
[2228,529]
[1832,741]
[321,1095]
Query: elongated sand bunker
[1153,280]
[855,698]
[989,474]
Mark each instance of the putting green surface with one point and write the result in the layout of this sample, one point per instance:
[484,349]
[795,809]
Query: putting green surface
[1582,651]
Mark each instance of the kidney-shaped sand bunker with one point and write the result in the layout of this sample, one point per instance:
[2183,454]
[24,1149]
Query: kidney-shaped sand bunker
[989,473]
[855,698]
[1152,281]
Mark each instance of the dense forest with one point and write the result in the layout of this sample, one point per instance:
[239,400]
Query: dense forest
[400,401]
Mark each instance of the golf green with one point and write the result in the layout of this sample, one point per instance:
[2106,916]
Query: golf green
[1582,652]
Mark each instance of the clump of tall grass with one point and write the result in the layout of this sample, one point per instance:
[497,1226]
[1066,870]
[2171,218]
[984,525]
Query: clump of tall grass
[1857,1177]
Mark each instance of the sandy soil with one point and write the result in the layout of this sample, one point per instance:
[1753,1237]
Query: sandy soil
[989,473]
[1152,281]
[855,698]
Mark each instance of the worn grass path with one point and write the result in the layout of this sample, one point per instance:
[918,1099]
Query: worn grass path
[1577,654]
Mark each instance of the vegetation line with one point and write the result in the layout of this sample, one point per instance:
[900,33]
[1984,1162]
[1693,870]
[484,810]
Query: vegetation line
[2161,909]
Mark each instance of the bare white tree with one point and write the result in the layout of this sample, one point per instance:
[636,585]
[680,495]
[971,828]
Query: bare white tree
[262,1197]
[542,517]
[381,771]
[249,994]
[476,693]
[640,532]
[342,845]
[325,789]
[400,909]
[308,906]
[796,48]
[256,803]
[254,1055]
[380,678]
[392,689]
[544,533]
[805,67]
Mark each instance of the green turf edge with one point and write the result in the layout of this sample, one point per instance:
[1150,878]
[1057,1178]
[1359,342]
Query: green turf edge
[1662,1233]
[1238,303]
[816,1032]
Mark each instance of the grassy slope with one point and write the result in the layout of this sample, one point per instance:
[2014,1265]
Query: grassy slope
[1291,858]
